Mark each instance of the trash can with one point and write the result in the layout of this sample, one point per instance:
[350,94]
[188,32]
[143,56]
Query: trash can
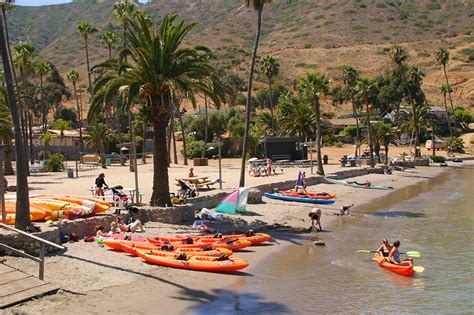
[325,159]
[70,172]
[108,162]
[343,161]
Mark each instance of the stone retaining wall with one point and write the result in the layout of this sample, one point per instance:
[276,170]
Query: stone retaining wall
[27,244]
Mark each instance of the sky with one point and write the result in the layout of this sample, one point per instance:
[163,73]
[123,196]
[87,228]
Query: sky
[42,2]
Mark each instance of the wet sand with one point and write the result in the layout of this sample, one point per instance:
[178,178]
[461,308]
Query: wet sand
[97,280]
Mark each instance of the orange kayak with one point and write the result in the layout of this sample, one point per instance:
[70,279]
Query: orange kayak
[403,269]
[308,195]
[37,213]
[200,263]
[131,249]
[258,238]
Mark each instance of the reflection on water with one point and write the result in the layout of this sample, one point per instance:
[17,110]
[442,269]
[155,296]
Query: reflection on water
[434,218]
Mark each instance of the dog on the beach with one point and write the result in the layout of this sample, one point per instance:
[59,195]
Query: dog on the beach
[315,216]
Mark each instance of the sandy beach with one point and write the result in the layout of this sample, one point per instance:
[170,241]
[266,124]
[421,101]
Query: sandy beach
[96,280]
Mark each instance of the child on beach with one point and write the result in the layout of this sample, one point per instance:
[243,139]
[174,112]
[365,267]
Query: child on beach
[315,216]
[191,173]
[345,209]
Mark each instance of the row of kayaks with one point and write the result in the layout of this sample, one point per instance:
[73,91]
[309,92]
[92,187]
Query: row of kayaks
[54,207]
[201,253]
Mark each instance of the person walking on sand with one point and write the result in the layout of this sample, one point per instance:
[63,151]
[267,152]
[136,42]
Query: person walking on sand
[315,216]
[100,184]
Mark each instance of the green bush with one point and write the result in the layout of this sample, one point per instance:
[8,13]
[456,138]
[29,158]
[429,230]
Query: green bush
[194,149]
[438,159]
[456,144]
[54,163]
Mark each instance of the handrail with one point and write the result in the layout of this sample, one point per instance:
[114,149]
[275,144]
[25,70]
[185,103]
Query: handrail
[43,242]
[31,236]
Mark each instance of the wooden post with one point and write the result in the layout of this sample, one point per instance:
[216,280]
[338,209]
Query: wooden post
[311,154]
[2,188]
[41,264]
[220,167]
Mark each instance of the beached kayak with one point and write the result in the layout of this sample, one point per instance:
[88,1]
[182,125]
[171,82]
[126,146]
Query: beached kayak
[299,199]
[292,193]
[355,184]
[232,244]
[199,263]
[258,238]
[218,252]
[402,269]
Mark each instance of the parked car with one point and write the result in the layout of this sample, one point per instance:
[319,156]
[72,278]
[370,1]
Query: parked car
[439,144]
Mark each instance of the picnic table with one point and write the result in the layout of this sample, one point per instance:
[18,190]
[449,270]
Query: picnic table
[199,181]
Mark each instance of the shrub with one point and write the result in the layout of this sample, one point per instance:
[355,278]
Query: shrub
[54,163]
[456,144]
[438,159]
[319,17]
[194,149]
[433,6]
[307,46]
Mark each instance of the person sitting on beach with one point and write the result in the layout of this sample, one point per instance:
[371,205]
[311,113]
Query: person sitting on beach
[367,183]
[191,173]
[99,232]
[100,184]
[394,255]
[315,216]
[385,248]
[118,226]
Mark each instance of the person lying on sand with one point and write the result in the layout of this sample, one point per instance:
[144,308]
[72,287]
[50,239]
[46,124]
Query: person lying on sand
[118,226]
[315,216]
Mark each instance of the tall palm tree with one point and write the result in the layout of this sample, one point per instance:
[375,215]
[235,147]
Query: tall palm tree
[46,137]
[442,58]
[270,68]
[74,77]
[311,88]
[387,137]
[86,29]
[25,52]
[6,135]
[42,69]
[159,66]
[22,201]
[351,75]
[124,11]
[299,120]
[107,39]
[446,89]
[365,88]
[96,137]
[61,125]
[258,6]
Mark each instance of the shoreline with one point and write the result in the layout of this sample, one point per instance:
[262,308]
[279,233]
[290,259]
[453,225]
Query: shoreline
[88,288]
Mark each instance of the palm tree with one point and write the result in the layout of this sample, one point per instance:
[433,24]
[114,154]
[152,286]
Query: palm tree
[46,137]
[351,75]
[42,69]
[446,89]
[299,120]
[442,58]
[388,136]
[107,39]
[22,201]
[25,52]
[258,6]
[6,135]
[311,88]
[365,88]
[96,137]
[415,79]
[124,11]
[86,29]
[61,125]
[270,67]
[74,77]
[159,66]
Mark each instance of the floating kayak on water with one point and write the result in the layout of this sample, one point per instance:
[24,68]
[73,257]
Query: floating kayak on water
[200,263]
[298,199]
[356,185]
[308,195]
[402,269]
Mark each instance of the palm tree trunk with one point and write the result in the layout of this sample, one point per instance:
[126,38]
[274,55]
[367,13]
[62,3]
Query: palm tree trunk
[168,141]
[206,128]
[356,116]
[22,200]
[447,115]
[110,51]
[8,159]
[175,155]
[249,97]
[317,109]
[386,153]
[369,133]
[447,82]
[183,135]
[79,114]
[433,144]
[88,66]
[160,195]
[30,135]
[271,103]
[144,144]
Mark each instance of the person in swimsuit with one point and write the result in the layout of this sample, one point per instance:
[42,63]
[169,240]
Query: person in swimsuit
[100,184]
[385,248]
[394,255]
[118,226]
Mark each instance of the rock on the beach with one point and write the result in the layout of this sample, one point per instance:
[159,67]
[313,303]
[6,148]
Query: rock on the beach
[319,243]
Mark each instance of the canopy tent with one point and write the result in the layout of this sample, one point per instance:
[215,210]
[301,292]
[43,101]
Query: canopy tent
[234,202]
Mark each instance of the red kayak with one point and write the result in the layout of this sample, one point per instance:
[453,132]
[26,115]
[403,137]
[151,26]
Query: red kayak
[404,269]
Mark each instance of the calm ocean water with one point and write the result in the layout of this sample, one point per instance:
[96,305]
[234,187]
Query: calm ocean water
[434,217]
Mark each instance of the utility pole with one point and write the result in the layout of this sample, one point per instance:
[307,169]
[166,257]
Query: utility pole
[2,187]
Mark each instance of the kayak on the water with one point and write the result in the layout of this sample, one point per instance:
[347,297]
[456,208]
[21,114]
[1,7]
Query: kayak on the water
[405,268]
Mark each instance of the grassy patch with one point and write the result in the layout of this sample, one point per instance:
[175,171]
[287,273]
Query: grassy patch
[433,6]
[307,46]
[318,17]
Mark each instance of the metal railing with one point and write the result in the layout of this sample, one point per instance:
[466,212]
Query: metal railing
[43,242]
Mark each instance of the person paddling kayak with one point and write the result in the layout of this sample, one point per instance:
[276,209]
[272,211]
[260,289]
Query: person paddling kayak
[394,255]
[385,248]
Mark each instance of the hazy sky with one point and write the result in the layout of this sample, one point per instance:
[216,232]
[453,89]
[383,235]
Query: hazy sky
[43,2]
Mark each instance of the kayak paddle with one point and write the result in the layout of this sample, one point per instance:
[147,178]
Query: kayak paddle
[419,269]
[413,254]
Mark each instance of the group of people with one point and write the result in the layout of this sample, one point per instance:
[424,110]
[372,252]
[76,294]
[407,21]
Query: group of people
[391,253]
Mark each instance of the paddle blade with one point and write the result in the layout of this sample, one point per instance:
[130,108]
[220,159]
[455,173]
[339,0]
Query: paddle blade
[363,251]
[413,254]
[419,269]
